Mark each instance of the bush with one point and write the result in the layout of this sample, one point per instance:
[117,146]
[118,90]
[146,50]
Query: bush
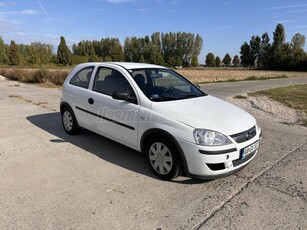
[56,77]
[42,75]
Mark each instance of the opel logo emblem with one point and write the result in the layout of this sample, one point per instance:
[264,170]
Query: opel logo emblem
[248,135]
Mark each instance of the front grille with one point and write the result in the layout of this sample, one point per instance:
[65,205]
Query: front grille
[244,136]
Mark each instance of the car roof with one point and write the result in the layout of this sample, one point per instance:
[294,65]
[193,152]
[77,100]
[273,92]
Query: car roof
[134,65]
[130,65]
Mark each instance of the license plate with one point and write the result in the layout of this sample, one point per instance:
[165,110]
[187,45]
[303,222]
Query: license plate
[249,149]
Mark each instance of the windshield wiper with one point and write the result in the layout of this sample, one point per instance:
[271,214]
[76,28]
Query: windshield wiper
[169,97]
[192,95]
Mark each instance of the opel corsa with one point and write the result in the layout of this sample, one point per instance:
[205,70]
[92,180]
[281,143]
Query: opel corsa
[154,110]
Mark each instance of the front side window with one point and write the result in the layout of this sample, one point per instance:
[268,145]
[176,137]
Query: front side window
[109,80]
[82,78]
[164,84]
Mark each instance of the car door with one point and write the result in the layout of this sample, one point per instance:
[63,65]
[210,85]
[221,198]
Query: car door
[77,95]
[116,119]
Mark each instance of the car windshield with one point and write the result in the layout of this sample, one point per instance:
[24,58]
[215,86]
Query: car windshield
[164,84]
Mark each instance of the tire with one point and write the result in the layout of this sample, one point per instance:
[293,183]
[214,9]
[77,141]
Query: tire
[69,121]
[163,158]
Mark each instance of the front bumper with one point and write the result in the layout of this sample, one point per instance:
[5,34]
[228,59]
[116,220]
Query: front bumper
[213,162]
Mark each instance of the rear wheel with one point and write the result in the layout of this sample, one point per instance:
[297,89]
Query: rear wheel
[69,122]
[163,158]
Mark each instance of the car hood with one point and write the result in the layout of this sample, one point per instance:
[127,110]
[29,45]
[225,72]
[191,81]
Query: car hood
[207,112]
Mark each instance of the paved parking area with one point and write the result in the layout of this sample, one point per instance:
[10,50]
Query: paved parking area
[50,180]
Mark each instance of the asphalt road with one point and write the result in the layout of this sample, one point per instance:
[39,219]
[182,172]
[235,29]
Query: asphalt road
[227,89]
[50,180]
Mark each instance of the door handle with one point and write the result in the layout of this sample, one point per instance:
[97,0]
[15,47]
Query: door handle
[91,101]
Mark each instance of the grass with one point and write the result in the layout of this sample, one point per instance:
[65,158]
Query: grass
[251,78]
[292,96]
[240,97]
[254,78]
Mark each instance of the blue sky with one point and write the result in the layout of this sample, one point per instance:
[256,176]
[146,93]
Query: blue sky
[223,24]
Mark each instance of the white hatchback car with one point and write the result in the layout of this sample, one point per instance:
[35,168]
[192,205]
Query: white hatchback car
[152,109]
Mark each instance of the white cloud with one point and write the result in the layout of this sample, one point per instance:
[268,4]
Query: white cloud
[23,12]
[2,4]
[296,11]
[287,7]
[8,25]
[30,12]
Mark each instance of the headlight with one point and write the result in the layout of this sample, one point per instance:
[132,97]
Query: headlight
[210,138]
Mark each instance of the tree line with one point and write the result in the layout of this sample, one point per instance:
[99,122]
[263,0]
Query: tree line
[212,61]
[170,49]
[260,53]
[278,55]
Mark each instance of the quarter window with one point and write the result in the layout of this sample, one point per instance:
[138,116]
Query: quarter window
[82,78]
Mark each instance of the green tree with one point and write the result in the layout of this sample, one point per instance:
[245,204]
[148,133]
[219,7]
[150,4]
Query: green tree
[298,42]
[265,49]
[279,54]
[128,49]
[279,38]
[217,61]
[33,58]
[180,48]
[155,55]
[227,60]
[3,52]
[155,49]
[198,44]
[13,54]
[112,48]
[246,56]
[156,40]
[298,54]
[255,49]
[194,62]
[210,60]
[168,45]
[63,53]
[236,61]
[44,52]
[132,49]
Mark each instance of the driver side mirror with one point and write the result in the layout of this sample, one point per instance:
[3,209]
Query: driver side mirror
[124,97]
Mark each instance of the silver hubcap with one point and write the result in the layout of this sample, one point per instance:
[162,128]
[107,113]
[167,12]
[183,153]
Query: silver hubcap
[67,120]
[160,158]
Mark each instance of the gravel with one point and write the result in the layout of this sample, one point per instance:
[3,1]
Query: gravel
[265,108]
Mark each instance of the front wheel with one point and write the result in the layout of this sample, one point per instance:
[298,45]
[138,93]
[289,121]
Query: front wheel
[163,158]
[69,122]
